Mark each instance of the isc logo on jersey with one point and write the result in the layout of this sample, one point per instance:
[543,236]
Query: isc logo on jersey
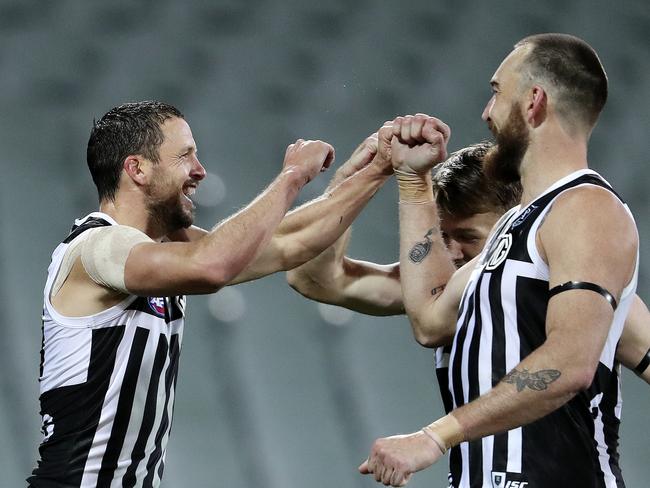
[500,480]
[157,304]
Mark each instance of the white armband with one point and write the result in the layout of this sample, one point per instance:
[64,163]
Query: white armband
[104,253]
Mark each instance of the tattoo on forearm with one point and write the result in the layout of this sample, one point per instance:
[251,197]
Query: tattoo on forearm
[536,381]
[437,289]
[420,250]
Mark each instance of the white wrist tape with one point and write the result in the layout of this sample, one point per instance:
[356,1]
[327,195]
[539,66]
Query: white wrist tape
[104,253]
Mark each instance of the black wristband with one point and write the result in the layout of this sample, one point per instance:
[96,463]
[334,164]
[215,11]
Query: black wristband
[643,364]
[583,285]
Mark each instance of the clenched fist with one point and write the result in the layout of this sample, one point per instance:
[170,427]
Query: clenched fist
[308,158]
[418,143]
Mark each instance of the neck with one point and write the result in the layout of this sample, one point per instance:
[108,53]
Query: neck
[552,154]
[130,209]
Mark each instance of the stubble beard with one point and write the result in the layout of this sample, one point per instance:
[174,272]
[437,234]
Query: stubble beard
[168,212]
[503,161]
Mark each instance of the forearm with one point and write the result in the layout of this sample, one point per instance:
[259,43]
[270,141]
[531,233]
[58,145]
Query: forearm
[236,241]
[425,263]
[309,229]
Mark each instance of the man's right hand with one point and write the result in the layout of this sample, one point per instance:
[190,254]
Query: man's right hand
[308,158]
[358,160]
[419,142]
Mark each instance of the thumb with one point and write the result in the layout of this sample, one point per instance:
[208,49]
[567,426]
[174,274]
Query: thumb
[363,469]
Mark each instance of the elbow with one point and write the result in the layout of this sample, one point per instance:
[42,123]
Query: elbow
[213,277]
[580,378]
[295,281]
[429,336]
[301,283]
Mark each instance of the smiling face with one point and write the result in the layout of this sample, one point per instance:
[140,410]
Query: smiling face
[504,116]
[174,178]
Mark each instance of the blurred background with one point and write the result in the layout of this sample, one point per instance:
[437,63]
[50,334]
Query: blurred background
[274,390]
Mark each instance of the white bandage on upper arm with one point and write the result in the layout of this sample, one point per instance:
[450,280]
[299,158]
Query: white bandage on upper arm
[105,251]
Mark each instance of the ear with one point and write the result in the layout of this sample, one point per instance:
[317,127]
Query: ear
[536,108]
[136,169]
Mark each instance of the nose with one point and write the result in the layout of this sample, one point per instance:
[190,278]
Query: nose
[455,249]
[486,111]
[198,171]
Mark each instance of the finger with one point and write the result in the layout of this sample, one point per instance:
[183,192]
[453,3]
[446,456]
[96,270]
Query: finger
[397,478]
[432,132]
[387,475]
[405,133]
[397,126]
[363,468]
[371,143]
[439,126]
[416,127]
[329,158]
[384,137]
[403,481]
[378,472]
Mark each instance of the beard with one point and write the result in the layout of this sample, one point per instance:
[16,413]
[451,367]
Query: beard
[168,212]
[503,161]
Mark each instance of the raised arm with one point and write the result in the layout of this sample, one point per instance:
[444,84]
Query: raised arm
[431,300]
[332,277]
[633,349]
[207,264]
[311,228]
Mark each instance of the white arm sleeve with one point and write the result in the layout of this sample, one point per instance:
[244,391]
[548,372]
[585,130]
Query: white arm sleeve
[104,253]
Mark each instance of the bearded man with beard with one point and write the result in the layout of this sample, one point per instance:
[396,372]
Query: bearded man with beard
[539,312]
[114,298]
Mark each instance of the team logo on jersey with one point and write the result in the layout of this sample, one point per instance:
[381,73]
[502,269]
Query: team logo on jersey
[501,479]
[523,216]
[157,304]
[499,252]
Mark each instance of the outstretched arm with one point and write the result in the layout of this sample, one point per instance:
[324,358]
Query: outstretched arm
[633,349]
[207,264]
[364,287]
[309,229]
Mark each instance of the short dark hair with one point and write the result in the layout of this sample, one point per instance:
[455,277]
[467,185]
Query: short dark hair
[462,189]
[131,128]
[574,69]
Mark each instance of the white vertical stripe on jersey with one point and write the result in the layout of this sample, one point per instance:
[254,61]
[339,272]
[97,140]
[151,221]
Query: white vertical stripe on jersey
[137,412]
[453,353]
[151,441]
[485,373]
[601,445]
[488,451]
[103,432]
[511,271]
[165,438]
[465,382]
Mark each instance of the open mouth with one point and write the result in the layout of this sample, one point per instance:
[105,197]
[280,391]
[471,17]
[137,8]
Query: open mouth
[188,191]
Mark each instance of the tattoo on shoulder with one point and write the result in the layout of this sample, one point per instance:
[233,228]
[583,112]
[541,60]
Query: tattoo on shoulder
[421,249]
[437,290]
[537,381]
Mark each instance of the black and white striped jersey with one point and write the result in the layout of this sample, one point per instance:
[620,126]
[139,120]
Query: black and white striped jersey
[502,320]
[107,385]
